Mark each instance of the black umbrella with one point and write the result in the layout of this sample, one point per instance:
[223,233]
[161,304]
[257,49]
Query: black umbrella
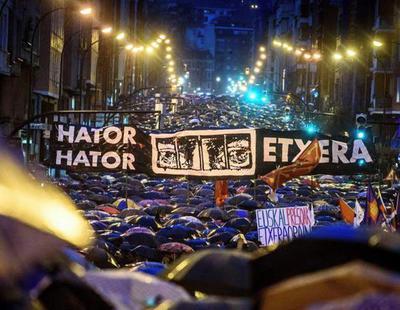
[212,272]
[324,248]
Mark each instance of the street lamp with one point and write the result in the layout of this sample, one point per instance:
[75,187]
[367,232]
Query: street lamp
[337,56]
[277,43]
[86,11]
[377,43]
[317,56]
[351,53]
[307,56]
[120,36]
[106,30]
[263,56]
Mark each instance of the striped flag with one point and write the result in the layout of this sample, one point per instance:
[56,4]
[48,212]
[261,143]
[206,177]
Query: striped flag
[347,212]
[372,213]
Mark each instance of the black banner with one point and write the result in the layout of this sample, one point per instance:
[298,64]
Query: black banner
[339,155]
[205,154]
[89,149]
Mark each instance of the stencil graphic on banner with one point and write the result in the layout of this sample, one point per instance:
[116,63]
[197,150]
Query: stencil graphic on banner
[209,153]
[279,224]
[82,148]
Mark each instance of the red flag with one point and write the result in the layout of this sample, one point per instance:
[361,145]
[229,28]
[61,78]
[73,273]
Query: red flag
[306,163]
[221,192]
[348,213]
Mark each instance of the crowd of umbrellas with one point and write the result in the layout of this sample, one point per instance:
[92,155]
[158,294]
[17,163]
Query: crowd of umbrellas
[154,243]
[225,112]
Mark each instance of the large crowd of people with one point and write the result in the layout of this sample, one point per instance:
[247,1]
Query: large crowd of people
[146,227]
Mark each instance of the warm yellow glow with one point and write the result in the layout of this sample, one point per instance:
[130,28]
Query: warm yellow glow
[163,36]
[377,43]
[257,70]
[252,77]
[167,41]
[171,63]
[86,11]
[262,49]
[317,56]
[159,41]
[106,30]
[251,81]
[129,47]
[351,53]
[154,44]
[263,56]
[307,56]
[149,49]
[45,208]
[289,48]
[171,69]
[337,56]
[298,52]
[243,88]
[168,56]
[259,63]
[285,45]
[277,43]
[120,36]
[168,48]
[172,76]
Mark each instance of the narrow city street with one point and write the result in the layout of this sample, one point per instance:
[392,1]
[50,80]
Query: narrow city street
[208,154]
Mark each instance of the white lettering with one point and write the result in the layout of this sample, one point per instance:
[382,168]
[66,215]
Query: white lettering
[285,148]
[95,157]
[269,149]
[129,135]
[83,135]
[339,150]
[105,162]
[69,133]
[127,161]
[324,151]
[96,134]
[360,152]
[81,158]
[60,157]
[115,130]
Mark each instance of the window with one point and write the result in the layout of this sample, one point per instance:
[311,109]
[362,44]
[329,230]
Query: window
[4,30]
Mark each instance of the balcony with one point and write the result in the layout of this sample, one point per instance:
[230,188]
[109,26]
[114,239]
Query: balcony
[384,24]
[382,65]
[4,67]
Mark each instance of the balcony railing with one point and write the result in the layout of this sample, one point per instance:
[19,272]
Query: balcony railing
[384,24]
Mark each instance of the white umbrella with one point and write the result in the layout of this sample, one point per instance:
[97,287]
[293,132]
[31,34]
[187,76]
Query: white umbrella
[133,290]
